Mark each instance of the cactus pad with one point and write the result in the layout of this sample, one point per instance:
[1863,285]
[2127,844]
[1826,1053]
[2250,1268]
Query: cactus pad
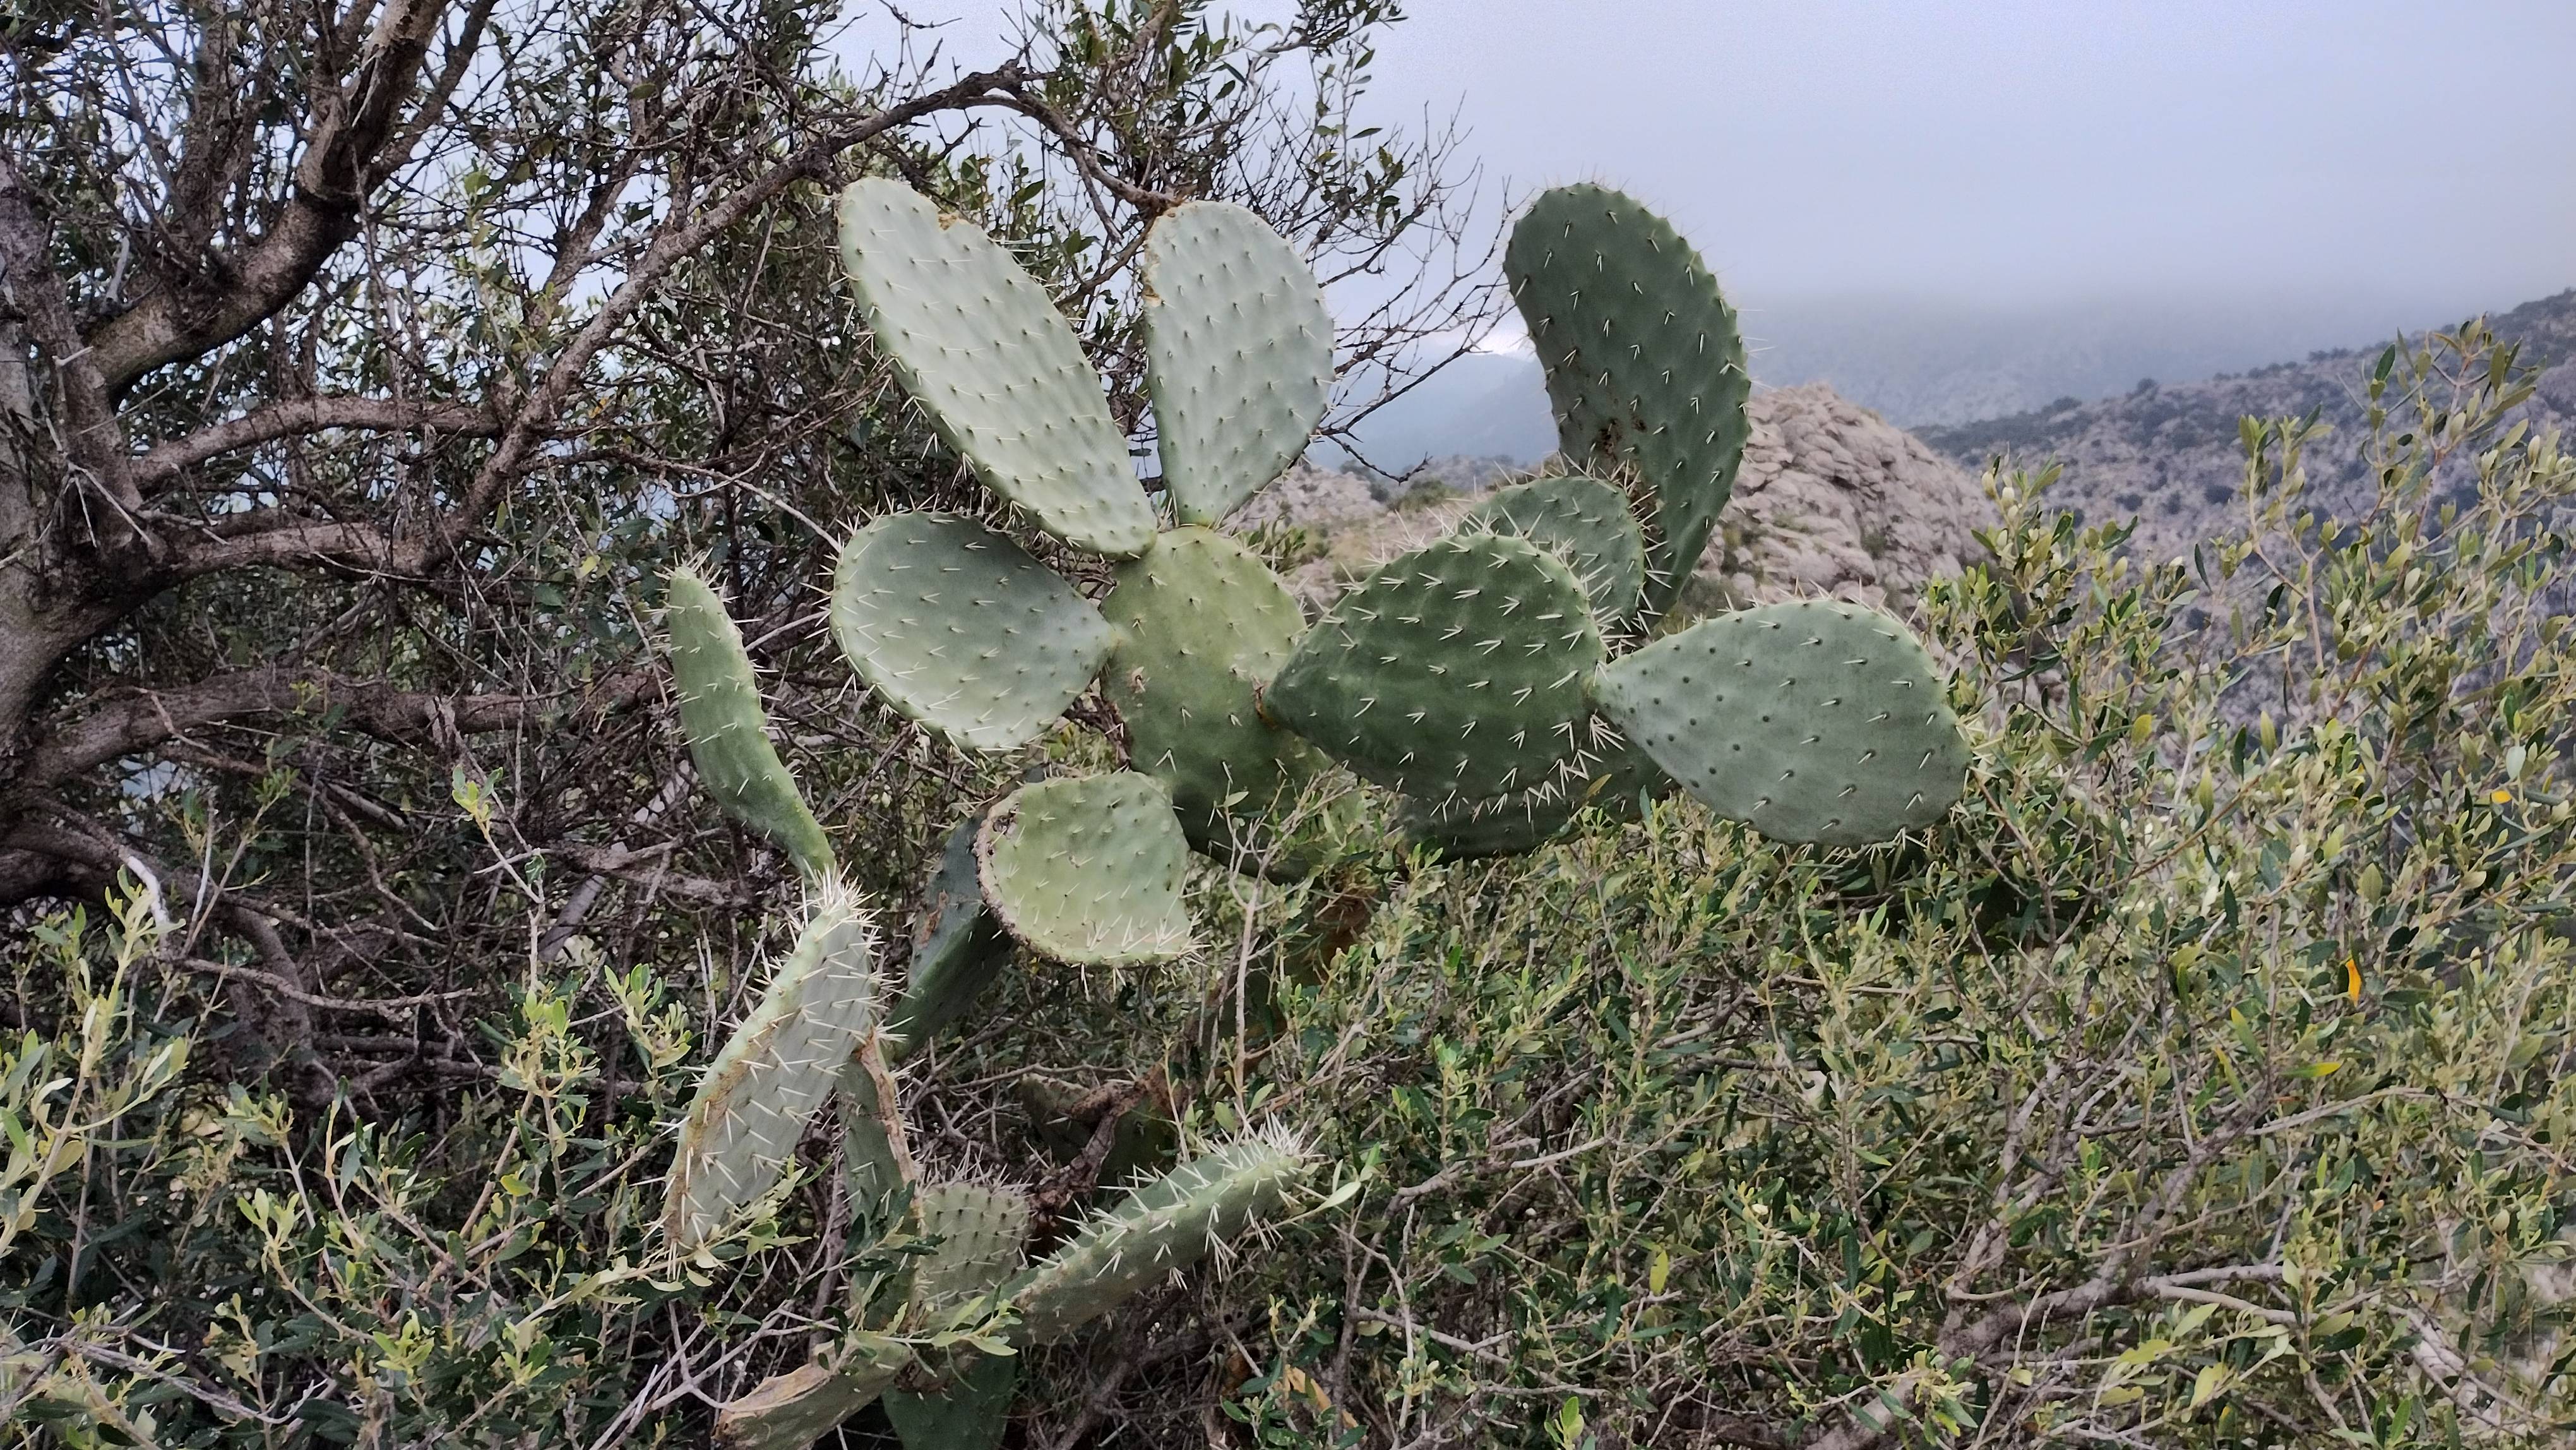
[776,1070]
[1202,623]
[1164,1225]
[970,1411]
[1610,781]
[1815,721]
[791,1411]
[1644,363]
[977,1233]
[1583,522]
[977,342]
[1240,351]
[728,735]
[958,628]
[1452,673]
[1088,870]
[876,1161]
[957,948]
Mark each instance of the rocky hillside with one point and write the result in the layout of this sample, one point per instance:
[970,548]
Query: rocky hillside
[1831,500]
[1834,500]
[2169,456]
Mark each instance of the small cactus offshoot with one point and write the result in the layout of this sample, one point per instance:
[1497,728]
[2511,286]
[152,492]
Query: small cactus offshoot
[1164,1225]
[776,1071]
[727,730]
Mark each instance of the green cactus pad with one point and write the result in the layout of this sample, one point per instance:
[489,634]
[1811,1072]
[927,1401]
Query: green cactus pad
[969,1412]
[1240,354]
[1088,870]
[791,1411]
[1815,721]
[877,1170]
[1610,781]
[1583,522]
[1164,1225]
[1202,624]
[1453,673]
[958,628]
[977,342]
[958,948]
[977,1234]
[728,735]
[776,1070]
[1644,363]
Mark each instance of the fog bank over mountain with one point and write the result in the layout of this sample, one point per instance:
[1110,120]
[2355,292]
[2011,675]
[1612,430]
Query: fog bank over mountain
[1922,363]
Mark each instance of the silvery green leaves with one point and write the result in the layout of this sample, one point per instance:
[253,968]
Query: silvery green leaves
[1814,721]
[776,1070]
[978,343]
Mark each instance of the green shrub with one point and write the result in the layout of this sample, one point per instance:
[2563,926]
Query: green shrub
[2201,1080]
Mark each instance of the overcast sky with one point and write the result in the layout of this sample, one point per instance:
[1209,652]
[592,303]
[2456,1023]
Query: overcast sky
[2031,151]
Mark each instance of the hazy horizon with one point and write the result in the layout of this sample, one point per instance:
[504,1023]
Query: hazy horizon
[2036,155]
[1952,210]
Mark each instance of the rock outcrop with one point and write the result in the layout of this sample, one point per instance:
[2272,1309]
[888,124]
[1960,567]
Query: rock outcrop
[1832,500]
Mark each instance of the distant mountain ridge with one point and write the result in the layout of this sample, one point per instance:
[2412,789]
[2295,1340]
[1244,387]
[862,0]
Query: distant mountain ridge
[1914,362]
[2168,455]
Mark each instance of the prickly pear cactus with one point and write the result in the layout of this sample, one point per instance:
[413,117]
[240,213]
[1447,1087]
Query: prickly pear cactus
[1609,778]
[970,1410]
[1644,362]
[1453,673]
[1164,1225]
[958,949]
[1201,625]
[957,627]
[793,1410]
[1586,524]
[1466,675]
[776,1071]
[976,1233]
[1088,870]
[727,731]
[1815,721]
[1239,351]
[977,342]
